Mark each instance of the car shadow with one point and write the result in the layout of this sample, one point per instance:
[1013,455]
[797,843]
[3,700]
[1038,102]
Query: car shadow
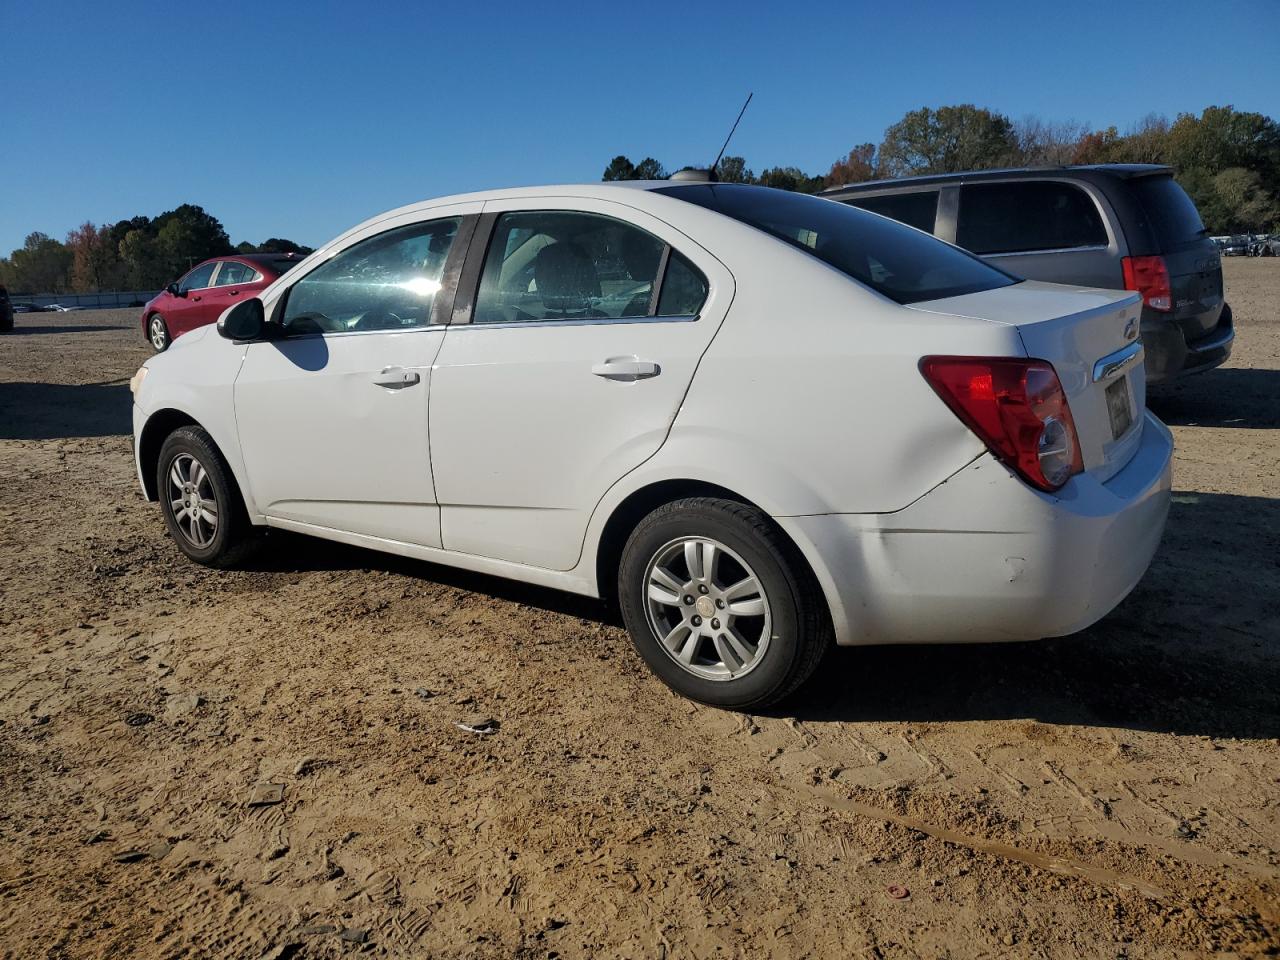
[1194,650]
[53,411]
[1224,397]
[21,330]
[287,552]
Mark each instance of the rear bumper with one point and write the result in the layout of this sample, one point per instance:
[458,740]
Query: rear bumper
[984,557]
[1170,355]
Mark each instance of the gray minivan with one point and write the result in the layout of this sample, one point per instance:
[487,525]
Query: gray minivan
[1120,226]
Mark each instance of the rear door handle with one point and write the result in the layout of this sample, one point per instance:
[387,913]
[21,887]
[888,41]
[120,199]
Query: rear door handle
[626,369]
[397,377]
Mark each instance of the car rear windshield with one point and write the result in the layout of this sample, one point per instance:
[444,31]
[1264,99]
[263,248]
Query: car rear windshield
[1173,216]
[903,264]
[280,266]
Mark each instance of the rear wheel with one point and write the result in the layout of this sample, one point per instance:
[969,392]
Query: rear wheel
[158,333]
[200,500]
[720,604]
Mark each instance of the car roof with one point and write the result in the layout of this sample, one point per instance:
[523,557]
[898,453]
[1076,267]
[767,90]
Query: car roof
[1122,171]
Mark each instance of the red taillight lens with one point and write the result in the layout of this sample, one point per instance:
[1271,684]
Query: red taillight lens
[1017,408]
[1150,277]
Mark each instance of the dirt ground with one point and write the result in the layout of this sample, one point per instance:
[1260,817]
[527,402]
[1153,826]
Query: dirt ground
[1114,794]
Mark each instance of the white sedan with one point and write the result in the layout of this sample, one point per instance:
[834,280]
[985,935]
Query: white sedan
[760,422]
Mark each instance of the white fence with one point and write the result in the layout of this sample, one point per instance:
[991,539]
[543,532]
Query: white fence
[89,301]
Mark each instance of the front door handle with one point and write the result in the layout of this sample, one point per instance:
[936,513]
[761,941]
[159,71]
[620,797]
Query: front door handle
[397,377]
[626,369]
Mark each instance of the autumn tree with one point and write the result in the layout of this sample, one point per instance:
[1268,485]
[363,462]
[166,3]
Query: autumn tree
[859,166]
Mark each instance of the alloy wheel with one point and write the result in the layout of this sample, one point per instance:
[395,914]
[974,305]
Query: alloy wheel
[159,335]
[707,608]
[191,497]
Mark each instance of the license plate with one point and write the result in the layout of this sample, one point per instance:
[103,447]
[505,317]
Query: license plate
[1119,408]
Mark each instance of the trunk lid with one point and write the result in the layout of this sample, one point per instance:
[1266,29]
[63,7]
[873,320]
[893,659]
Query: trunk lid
[1090,337]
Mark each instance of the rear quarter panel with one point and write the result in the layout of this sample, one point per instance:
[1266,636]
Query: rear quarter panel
[810,400]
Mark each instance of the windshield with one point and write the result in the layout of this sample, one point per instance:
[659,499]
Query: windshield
[1172,213]
[901,263]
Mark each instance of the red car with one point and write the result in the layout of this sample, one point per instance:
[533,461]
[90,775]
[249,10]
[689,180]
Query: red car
[200,297]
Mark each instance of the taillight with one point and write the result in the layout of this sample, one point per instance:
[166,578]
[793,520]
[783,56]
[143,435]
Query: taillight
[1150,277]
[1017,408]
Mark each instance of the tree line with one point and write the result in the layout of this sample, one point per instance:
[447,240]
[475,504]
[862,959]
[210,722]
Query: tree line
[1227,160]
[141,253]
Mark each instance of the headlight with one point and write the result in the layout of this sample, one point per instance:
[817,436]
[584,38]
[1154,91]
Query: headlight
[135,382]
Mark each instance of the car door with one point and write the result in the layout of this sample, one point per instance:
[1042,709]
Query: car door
[333,415]
[577,329]
[229,286]
[187,310]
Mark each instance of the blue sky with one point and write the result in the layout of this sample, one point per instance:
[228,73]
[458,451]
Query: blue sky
[301,119]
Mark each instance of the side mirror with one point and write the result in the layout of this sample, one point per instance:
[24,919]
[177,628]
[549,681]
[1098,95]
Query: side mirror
[245,321]
[172,290]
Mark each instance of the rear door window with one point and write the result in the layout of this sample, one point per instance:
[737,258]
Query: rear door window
[919,209]
[233,273]
[1172,214]
[1022,216]
[568,265]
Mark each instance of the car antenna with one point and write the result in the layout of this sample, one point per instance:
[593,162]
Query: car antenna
[716,165]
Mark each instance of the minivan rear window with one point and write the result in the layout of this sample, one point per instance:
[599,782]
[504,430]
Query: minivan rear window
[904,265]
[1173,216]
[1020,216]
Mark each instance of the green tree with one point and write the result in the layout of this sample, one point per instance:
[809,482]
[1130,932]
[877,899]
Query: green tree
[1247,205]
[280,245]
[947,140]
[1221,138]
[187,235]
[140,256]
[734,170]
[619,168]
[790,178]
[41,265]
[649,169]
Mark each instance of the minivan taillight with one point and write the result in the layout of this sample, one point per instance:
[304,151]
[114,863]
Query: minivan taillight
[1017,408]
[1150,277]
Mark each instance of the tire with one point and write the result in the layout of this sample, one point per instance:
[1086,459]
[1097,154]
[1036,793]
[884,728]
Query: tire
[221,536]
[780,630]
[158,333]
[6,321]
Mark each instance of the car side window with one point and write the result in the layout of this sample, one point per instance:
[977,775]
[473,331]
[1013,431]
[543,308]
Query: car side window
[387,282]
[919,209]
[1019,217]
[233,272]
[565,265]
[197,279]
[684,289]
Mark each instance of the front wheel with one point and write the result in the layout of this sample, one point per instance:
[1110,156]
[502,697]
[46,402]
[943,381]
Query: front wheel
[720,604]
[200,500]
[158,333]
